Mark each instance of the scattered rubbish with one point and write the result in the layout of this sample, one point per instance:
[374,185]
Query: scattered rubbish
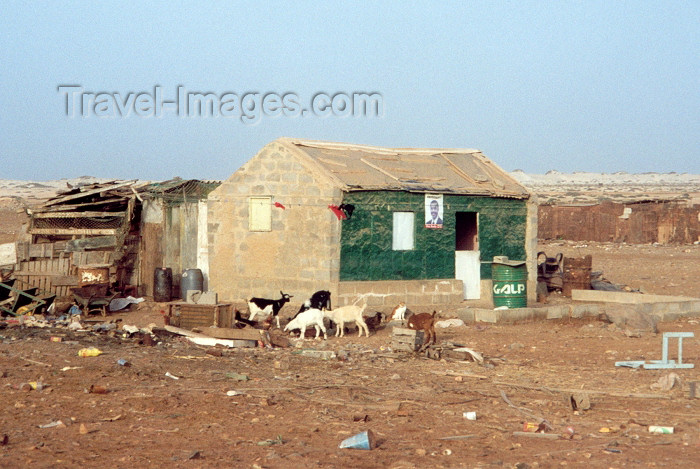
[55,423]
[89,352]
[447,452]
[457,437]
[129,329]
[613,450]
[659,429]
[570,431]
[195,455]
[104,327]
[276,441]
[56,339]
[37,385]
[120,303]
[364,440]
[534,427]
[235,393]
[66,368]
[469,415]
[666,383]
[123,362]
[112,419]
[361,418]
[233,343]
[580,401]
[449,323]
[476,356]
[550,436]
[322,354]
[237,376]
[693,389]
[499,308]
[98,389]
[171,376]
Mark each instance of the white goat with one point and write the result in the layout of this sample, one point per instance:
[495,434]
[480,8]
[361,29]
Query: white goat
[310,317]
[348,313]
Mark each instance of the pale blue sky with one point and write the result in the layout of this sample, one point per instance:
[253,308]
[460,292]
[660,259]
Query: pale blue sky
[599,86]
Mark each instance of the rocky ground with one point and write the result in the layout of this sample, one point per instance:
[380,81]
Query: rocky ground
[290,407]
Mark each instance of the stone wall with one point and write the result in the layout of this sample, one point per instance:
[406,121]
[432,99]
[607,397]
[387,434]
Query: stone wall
[301,252]
[385,295]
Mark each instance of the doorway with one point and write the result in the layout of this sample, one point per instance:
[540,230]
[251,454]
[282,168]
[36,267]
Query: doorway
[467,254]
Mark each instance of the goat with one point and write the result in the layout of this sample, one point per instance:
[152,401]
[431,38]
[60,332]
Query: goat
[310,317]
[345,314]
[319,300]
[374,322]
[424,322]
[241,322]
[269,307]
[399,313]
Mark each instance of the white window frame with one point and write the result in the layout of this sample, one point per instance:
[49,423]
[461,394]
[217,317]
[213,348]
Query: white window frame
[260,213]
[403,236]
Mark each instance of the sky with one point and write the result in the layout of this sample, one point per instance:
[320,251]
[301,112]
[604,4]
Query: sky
[152,91]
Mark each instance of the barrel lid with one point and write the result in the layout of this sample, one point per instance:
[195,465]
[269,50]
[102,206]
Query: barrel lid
[505,261]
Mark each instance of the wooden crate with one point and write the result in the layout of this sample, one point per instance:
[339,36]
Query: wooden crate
[189,315]
[406,340]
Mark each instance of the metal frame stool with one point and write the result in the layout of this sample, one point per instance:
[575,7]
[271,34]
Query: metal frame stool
[664,362]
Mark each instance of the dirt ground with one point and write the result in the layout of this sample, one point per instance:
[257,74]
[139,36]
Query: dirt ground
[294,410]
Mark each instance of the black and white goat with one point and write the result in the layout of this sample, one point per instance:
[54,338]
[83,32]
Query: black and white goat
[268,307]
[319,300]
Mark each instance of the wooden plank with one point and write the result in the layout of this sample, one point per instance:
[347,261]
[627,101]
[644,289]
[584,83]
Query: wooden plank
[78,214]
[228,333]
[79,195]
[85,244]
[65,280]
[72,231]
[60,208]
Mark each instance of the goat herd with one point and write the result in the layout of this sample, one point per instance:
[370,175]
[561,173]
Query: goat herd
[317,308]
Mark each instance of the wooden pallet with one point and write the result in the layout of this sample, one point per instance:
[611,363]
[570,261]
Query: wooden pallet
[406,340]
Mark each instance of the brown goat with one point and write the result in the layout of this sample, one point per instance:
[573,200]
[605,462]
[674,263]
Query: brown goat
[424,322]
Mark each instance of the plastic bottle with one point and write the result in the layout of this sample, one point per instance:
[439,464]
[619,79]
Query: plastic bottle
[89,352]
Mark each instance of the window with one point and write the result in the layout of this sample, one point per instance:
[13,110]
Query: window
[402,238]
[260,214]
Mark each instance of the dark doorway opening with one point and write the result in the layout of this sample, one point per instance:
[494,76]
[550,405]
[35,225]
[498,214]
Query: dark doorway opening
[467,231]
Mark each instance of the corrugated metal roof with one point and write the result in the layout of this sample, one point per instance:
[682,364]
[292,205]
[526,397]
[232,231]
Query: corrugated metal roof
[456,171]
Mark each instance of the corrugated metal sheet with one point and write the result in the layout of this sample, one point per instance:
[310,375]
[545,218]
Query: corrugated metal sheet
[360,167]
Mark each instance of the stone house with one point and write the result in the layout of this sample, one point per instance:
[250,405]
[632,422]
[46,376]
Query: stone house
[302,216]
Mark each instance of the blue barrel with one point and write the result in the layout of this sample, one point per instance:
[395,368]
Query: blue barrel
[192,279]
[162,284]
[509,282]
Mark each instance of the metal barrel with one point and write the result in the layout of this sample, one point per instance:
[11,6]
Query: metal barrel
[162,284]
[192,279]
[509,283]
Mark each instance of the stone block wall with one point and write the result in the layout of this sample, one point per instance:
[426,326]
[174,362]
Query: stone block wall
[385,295]
[301,252]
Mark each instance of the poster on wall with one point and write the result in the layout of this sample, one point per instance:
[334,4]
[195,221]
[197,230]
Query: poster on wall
[433,210]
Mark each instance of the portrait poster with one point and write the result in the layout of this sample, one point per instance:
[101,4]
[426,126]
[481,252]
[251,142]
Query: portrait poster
[433,211]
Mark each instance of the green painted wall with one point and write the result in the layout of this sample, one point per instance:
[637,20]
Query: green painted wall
[366,238]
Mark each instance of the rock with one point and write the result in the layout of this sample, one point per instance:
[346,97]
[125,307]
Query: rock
[632,322]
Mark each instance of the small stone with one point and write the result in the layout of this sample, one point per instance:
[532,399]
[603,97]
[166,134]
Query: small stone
[421,452]
[395,376]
